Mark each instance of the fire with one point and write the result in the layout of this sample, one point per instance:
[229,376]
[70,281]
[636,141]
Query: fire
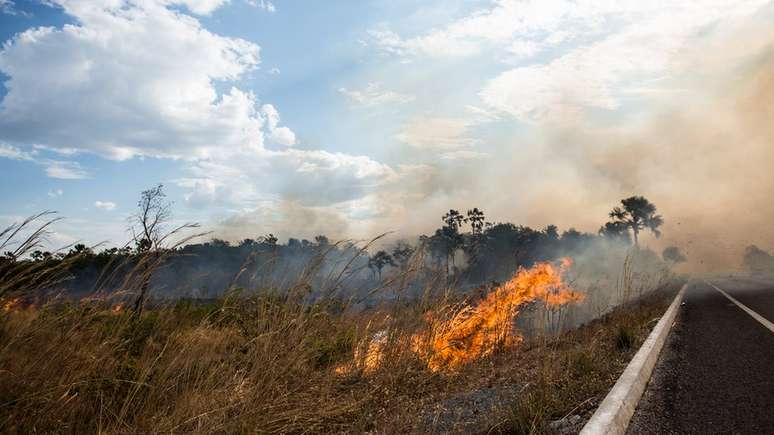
[117,308]
[475,331]
[12,304]
[369,357]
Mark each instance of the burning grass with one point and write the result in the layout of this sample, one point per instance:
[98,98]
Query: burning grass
[275,362]
[269,364]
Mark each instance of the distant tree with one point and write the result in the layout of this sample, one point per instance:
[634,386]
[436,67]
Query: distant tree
[247,243]
[473,243]
[39,255]
[79,249]
[450,234]
[402,253]
[378,261]
[673,255]
[271,240]
[153,212]
[757,260]
[476,219]
[453,219]
[637,214]
[615,231]
[322,241]
[220,243]
[551,232]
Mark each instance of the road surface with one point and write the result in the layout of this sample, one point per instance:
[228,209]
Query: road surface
[716,372]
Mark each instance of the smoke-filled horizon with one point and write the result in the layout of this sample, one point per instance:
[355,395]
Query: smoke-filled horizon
[702,154]
[540,113]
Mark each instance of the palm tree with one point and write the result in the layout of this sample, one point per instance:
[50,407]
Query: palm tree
[637,214]
[476,219]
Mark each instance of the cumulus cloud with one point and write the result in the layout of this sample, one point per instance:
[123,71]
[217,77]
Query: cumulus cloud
[277,134]
[55,193]
[373,95]
[305,177]
[146,77]
[105,205]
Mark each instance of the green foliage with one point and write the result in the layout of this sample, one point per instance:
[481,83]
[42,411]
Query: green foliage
[636,213]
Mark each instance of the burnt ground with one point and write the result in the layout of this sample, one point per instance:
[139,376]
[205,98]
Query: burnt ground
[716,372]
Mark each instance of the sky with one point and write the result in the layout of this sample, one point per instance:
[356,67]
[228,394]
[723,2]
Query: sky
[352,118]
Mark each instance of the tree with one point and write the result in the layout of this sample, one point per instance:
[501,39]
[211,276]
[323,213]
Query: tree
[476,219]
[615,231]
[322,241]
[270,240]
[450,234]
[473,243]
[402,253]
[637,214]
[673,255]
[453,219]
[379,260]
[154,210]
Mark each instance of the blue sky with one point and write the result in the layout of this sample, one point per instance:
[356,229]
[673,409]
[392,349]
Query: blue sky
[351,117]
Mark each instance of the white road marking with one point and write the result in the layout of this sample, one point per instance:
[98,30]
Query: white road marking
[762,320]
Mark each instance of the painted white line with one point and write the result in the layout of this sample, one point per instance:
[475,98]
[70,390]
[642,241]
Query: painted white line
[762,320]
[613,415]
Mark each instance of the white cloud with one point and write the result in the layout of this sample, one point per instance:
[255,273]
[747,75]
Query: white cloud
[570,55]
[55,193]
[8,7]
[105,205]
[643,47]
[200,7]
[274,71]
[308,177]
[277,134]
[437,133]
[63,169]
[498,23]
[144,76]
[14,153]
[374,95]
[263,4]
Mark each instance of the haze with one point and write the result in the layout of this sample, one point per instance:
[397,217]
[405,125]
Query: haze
[355,118]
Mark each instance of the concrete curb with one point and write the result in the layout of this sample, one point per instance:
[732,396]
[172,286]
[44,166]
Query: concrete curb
[613,415]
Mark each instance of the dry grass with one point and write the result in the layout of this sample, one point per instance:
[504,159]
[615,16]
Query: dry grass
[267,363]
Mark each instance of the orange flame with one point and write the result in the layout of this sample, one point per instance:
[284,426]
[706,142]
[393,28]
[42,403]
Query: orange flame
[12,304]
[475,331]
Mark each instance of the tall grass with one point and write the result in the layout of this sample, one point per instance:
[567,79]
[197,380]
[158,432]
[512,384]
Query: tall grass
[268,360]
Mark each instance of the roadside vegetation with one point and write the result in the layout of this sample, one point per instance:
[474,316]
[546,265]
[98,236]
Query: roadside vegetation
[302,355]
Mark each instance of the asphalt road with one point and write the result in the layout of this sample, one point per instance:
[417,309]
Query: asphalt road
[716,372]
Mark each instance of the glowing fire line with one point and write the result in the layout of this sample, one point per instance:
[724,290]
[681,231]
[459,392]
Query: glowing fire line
[477,330]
